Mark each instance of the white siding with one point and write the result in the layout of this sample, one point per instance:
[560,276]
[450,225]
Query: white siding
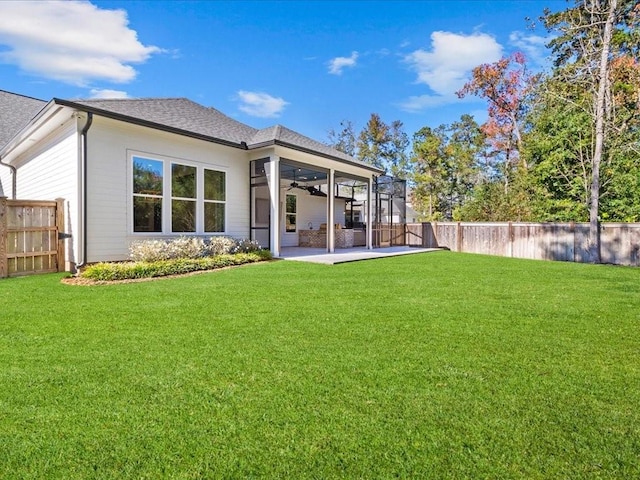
[50,171]
[5,182]
[110,145]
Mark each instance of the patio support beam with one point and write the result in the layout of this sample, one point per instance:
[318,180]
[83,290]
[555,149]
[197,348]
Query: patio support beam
[331,223]
[369,217]
[274,196]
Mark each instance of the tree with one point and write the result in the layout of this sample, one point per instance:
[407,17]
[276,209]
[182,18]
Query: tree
[384,146]
[398,164]
[558,149]
[429,171]
[465,151]
[374,142]
[591,39]
[445,167]
[505,85]
[345,139]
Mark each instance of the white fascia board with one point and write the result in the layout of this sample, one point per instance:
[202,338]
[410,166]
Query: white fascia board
[44,123]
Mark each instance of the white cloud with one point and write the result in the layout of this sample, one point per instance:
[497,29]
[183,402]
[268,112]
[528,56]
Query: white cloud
[533,46]
[446,66]
[338,64]
[422,102]
[102,93]
[259,104]
[71,41]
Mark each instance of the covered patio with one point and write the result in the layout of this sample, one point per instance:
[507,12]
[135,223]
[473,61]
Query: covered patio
[327,205]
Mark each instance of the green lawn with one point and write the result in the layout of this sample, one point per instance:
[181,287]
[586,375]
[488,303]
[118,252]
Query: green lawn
[437,365]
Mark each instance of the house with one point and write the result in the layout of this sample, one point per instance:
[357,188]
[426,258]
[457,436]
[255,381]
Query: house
[131,169]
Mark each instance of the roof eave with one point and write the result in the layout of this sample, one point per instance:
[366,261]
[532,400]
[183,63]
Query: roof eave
[311,151]
[40,119]
[148,123]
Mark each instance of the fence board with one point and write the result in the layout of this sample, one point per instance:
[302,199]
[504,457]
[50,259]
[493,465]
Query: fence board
[29,240]
[4,216]
[620,242]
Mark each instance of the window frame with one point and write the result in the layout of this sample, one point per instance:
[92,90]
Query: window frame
[206,201]
[146,196]
[167,196]
[287,214]
[176,198]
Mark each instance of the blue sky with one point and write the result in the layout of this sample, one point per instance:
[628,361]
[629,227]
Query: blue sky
[307,65]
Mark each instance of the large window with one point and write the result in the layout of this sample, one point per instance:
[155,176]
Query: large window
[183,198]
[214,200]
[147,195]
[171,197]
[291,214]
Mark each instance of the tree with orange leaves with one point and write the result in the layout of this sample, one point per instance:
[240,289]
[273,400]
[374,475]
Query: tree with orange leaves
[506,85]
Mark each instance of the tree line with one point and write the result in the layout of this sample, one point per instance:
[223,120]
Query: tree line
[561,145]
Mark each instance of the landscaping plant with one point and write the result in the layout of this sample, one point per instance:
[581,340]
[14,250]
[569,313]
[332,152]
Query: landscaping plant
[157,258]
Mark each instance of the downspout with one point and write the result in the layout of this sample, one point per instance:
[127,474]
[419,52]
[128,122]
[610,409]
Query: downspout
[83,190]
[14,178]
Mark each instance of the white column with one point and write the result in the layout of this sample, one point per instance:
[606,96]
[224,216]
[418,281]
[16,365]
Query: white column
[369,217]
[331,231]
[274,195]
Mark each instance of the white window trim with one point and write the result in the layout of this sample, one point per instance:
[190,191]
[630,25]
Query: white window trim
[202,201]
[167,196]
[287,213]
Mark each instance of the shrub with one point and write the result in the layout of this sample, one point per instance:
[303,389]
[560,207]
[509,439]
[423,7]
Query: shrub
[148,250]
[159,268]
[220,245]
[246,246]
[188,247]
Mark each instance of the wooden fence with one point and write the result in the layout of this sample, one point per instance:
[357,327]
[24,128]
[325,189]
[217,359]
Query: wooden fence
[620,242]
[388,235]
[29,237]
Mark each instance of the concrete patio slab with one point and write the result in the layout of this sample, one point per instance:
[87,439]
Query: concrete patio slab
[320,255]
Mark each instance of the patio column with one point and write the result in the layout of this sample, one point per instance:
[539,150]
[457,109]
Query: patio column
[273,180]
[369,217]
[331,232]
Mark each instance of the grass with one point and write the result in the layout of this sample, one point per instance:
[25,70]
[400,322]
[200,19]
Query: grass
[436,365]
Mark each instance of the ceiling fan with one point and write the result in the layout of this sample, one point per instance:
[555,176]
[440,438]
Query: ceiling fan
[309,188]
[314,191]
[295,184]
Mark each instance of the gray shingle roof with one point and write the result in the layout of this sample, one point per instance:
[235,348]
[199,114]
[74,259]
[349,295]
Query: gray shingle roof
[180,115]
[15,112]
[284,135]
[176,113]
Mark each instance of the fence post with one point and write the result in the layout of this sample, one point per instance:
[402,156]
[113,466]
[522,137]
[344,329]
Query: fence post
[425,231]
[4,214]
[459,237]
[510,234]
[60,227]
[435,234]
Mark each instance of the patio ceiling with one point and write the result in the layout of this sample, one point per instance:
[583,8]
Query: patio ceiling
[306,175]
[301,174]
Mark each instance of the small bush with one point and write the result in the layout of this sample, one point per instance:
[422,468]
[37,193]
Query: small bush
[186,247]
[246,246]
[220,245]
[148,250]
[155,250]
[189,247]
[160,268]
